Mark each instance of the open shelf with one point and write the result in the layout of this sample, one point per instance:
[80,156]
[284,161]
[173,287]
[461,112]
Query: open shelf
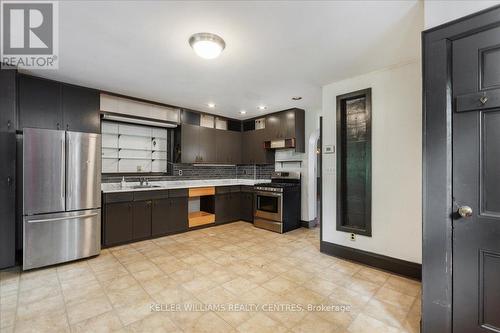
[200,218]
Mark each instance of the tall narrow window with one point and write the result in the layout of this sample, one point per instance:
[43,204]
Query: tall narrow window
[354,162]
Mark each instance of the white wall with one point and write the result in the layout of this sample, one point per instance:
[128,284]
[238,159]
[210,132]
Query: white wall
[396,162]
[441,11]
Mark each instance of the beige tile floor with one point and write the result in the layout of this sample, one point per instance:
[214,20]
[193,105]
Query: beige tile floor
[234,264]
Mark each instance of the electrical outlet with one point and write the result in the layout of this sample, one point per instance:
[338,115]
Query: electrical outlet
[353,237]
[180,172]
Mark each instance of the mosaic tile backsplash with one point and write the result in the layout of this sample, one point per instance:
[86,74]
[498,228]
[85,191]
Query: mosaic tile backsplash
[191,172]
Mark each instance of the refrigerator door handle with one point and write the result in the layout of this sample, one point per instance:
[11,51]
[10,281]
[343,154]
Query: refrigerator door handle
[63,173]
[63,218]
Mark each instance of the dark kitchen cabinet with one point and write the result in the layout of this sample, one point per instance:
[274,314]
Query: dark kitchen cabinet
[189,143]
[169,216]
[7,168]
[39,103]
[197,144]
[118,223]
[54,105]
[207,150]
[227,204]
[253,150]
[141,219]
[228,146]
[80,108]
[287,125]
[8,98]
[246,206]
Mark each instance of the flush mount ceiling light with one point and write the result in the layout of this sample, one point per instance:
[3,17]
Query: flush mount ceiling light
[211,105]
[262,107]
[243,112]
[207,45]
[296,98]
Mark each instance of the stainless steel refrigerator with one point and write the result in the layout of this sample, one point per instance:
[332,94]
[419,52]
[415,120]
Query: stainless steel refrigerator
[61,196]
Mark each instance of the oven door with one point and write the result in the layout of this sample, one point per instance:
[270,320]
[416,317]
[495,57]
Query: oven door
[269,205]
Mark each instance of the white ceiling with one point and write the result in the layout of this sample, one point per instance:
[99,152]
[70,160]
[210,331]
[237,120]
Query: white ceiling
[274,50]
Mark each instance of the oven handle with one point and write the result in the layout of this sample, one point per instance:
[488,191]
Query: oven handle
[269,194]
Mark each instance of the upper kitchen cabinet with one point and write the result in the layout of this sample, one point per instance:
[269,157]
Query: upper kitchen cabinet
[80,108]
[53,105]
[228,146]
[287,124]
[39,103]
[197,144]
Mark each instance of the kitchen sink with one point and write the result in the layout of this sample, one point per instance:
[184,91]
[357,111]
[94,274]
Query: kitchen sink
[144,186]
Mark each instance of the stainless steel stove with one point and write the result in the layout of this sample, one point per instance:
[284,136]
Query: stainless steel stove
[277,204]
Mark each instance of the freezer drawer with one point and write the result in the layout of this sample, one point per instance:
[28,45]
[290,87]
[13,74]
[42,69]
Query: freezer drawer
[43,171]
[83,171]
[55,238]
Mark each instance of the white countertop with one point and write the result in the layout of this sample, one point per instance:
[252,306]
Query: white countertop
[172,184]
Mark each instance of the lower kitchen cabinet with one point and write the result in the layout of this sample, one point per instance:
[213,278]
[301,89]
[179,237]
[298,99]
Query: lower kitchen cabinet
[227,204]
[246,206]
[141,226]
[169,216]
[118,224]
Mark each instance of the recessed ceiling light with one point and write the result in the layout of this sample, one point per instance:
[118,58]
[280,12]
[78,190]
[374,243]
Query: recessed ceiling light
[211,105]
[243,112]
[262,107]
[207,45]
[296,98]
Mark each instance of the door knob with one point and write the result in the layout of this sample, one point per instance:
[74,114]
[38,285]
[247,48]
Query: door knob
[465,211]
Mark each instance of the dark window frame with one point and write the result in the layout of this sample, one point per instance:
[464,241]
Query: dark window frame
[341,105]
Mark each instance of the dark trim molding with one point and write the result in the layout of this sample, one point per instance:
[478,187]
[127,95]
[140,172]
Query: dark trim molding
[307,224]
[437,254]
[398,266]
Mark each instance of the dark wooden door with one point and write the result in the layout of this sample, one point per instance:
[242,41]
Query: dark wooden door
[234,147]
[222,146]
[247,151]
[81,109]
[118,223]
[476,183]
[7,199]
[142,219]
[178,214]
[190,136]
[288,124]
[234,206]
[39,103]
[222,208]
[207,145]
[160,217]
[246,206]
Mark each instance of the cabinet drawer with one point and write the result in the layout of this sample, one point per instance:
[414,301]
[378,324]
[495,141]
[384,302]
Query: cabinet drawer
[247,188]
[178,193]
[118,197]
[201,191]
[222,189]
[150,195]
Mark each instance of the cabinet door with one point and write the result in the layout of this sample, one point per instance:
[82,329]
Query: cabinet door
[288,124]
[234,206]
[81,109]
[207,144]
[247,149]
[7,199]
[234,139]
[178,215]
[261,154]
[142,219]
[222,146]
[273,127]
[222,208]
[8,100]
[160,217]
[189,143]
[118,223]
[39,103]
[247,208]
